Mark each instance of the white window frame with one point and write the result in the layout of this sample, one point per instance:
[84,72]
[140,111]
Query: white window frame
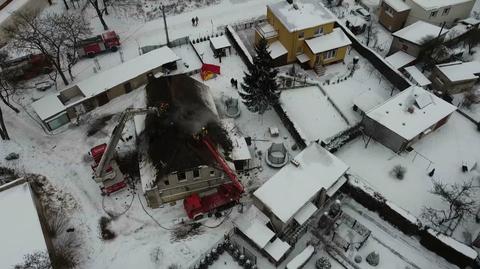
[330,54]
[318,31]
[434,13]
[388,9]
[301,34]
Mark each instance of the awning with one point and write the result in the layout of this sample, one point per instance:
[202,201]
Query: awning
[277,49]
[303,58]
[337,185]
[305,213]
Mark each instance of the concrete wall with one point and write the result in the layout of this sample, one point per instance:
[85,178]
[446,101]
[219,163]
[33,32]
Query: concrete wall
[393,20]
[440,82]
[403,45]
[457,12]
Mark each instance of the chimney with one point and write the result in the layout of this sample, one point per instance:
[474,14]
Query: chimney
[411,109]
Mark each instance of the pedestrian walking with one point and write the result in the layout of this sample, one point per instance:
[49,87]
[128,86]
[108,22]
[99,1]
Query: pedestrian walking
[232,82]
[193,21]
[196,21]
[235,83]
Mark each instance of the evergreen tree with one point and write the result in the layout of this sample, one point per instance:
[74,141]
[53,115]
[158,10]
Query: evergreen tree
[259,88]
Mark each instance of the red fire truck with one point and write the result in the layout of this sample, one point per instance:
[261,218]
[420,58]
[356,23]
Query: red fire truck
[94,45]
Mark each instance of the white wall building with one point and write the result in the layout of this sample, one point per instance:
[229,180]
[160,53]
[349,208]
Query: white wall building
[439,11]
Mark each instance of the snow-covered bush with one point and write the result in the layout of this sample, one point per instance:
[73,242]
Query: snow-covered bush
[398,171]
[323,263]
[373,258]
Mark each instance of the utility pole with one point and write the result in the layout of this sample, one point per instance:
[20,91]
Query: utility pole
[162,7]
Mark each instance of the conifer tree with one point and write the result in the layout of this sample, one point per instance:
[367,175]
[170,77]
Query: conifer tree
[259,88]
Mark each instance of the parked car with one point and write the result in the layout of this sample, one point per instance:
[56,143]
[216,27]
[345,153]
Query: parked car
[363,13]
[43,86]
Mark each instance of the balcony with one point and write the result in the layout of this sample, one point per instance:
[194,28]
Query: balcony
[266,31]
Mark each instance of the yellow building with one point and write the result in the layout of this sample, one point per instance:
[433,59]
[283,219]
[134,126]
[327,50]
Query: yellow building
[302,32]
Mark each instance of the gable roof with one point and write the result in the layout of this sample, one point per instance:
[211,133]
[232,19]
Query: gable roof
[333,40]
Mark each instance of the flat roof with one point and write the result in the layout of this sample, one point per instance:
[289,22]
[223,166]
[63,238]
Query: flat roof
[417,76]
[308,105]
[50,105]
[428,109]
[220,42]
[418,32]
[293,187]
[21,232]
[397,5]
[253,224]
[276,49]
[309,14]
[305,213]
[277,248]
[399,59]
[301,258]
[333,40]
[458,71]
[368,100]
[435,4]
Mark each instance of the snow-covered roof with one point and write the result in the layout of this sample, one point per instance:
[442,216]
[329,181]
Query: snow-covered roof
[436,4]
[333,40]
[20,231]
[276,49]
[240,150]
[471,21]
[308,105]
[460,247]
[48,106]
[292,187]
[397,5]
[220,42]
[305,213]
[458,71]
[126,71]
[253,225]
[418,32]
[308,14]
[417,76]
[394,113]
[368,100]
[277,248]
[301,258]
[267,30]
[303,58]
[399,59]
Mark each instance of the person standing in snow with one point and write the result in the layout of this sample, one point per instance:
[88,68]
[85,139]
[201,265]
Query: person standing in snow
[193,21]
[196,21]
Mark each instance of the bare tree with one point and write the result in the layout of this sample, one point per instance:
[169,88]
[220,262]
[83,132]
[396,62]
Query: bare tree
[37,260]
[53,35]
[460,204]
[6,91]
[472,38]
[100,11]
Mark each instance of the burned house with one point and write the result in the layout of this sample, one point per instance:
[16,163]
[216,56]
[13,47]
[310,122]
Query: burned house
[174,163]
[406,117]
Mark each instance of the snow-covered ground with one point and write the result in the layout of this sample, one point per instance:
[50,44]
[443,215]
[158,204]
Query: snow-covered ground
[444,150]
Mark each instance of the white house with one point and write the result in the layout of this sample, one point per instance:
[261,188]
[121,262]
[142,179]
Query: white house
[295,193]
[438,11]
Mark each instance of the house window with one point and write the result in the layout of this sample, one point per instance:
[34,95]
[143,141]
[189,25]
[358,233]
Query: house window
[166,182]
[388,10]
[181,176]
[329,54]
[433,13]
[318,31]
[404,47]
[446,11]
[196,173]
[301,35]
[212,173]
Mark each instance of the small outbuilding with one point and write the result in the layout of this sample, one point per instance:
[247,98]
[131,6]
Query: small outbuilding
[411,39]
[295,193]
[407,117]
[416,76]
[220,45]
[455,77]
